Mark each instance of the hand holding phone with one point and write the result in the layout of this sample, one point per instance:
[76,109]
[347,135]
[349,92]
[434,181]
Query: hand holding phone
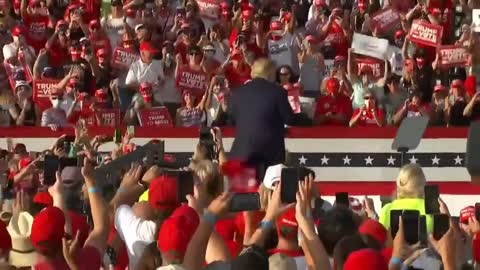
[441,225]
[432,206]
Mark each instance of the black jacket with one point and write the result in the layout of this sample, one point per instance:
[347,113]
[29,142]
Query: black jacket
[259,110]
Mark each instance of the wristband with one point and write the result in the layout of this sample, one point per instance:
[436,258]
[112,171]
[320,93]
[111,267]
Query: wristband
[266,225]
[210,218]
[396,261]
[92,190]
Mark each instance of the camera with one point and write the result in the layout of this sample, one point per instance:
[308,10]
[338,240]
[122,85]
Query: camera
[207,141]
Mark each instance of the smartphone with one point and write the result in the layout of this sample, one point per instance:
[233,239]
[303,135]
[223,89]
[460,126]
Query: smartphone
[131,130]
[394,221]
[411,226]
[180,11]
[50,167]
[341,198]
[289,185]
[441,224]
[117,136]
[422,230]
[184,185]
[245,202]
[431,199]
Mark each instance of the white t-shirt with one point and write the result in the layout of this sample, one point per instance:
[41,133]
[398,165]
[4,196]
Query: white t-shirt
[141,72]
[114,29]
[10,51]
[135,232]
[168,92]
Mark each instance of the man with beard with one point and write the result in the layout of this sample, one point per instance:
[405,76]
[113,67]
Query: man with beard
[260,137]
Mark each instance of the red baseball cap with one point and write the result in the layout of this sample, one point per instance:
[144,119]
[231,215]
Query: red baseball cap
[147,46]
[332,85]
[340,58]
[94,24]
[466,213]
[399,34]
[439,88]
[43,198]
[365,259]
[48,229]
[457,83]
[101,95]
[5,239]
[362,5]
[162,194]
[276,25]
[287,225]
[374,229]
[33,3]
[176,232]
[17,30]
[319,3]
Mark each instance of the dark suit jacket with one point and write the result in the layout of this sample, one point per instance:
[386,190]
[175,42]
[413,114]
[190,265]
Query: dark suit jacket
[259,111]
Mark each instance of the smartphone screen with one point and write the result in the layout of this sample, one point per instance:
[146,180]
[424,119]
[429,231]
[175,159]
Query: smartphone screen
[410,226]
[422,230]
[431,199]
[394,221]
[441,224]
[341,198]
[184,185]
[50,168]
[245,202]
[289,184]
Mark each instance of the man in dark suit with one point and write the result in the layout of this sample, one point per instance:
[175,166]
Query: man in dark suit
[259,111]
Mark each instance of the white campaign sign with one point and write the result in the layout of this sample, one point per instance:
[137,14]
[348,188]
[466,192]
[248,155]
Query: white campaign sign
[370,46]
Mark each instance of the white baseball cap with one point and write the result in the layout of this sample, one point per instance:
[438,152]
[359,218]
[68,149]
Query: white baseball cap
[273,175]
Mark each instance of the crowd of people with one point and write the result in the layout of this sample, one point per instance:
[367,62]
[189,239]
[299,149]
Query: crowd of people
[255,65]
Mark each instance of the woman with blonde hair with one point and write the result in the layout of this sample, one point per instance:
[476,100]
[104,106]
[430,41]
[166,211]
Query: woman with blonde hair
[409,195]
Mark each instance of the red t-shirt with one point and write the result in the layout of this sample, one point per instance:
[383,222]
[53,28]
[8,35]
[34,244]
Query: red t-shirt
[339,105]
[235,78]
[251,44]
[367,119]
[37,30]
[336,37]
[57,55]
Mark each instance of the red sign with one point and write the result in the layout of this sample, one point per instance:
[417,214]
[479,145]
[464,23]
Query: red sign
[41,92]
[377,65]
[195,81]
[123,59]
[453,56]
[155,117]
[209,9]
[108,117]
[294,98]
[385,19]
[426,33]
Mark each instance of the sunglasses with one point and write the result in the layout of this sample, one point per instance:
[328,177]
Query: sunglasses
[368,98]
[195,53]
[284,73]
[55,97]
